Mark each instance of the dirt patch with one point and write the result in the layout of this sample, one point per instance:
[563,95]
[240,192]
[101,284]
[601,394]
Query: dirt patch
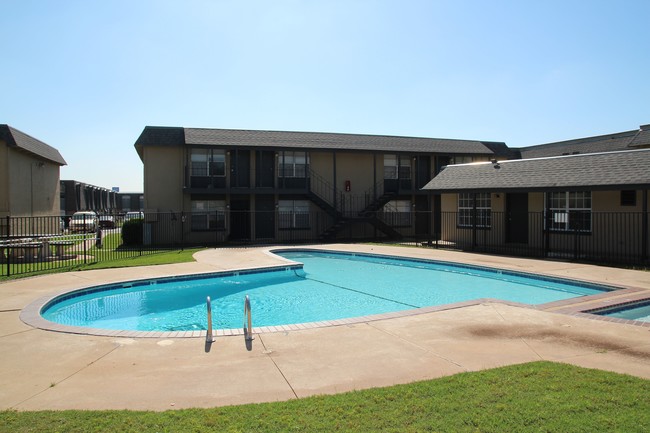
[566,336]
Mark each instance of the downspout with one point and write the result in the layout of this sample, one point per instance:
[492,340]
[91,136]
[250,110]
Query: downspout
[334,181]
[546,229]
[374,176]
[473,221]
[644,227]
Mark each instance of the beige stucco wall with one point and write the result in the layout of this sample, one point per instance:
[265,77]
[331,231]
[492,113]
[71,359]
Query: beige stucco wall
[4,179]
[164,169]
[616,231]
[33,185]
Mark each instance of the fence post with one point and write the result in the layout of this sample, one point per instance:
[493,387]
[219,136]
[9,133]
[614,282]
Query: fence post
[8,251]
[85,240]
[182,230]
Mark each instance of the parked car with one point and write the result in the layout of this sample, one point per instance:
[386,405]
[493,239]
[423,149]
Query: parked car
[133,215]
[85,221]
[106,222]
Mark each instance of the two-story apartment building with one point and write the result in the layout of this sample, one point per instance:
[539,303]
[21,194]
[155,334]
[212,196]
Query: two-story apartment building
[224,184]
[29,181]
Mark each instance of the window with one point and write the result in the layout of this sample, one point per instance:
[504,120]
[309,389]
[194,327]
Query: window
[208,215]
[569,211]
[396,167]
[293,164]
[397,213]
[461,159]
[293,214]
[126,203]
[483,209]
[208,162]
[628,198]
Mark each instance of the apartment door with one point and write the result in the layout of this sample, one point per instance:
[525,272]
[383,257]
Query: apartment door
[240,168]
[422,170]
[264,217]
[517,218]
[422,215]
[240,218]
[265,169]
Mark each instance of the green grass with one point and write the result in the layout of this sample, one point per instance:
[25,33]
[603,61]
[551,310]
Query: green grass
[146,259]
[127,259]
[535,397]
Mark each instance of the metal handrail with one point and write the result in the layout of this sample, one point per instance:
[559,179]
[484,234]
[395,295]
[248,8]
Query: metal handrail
[248,327]
[209,337]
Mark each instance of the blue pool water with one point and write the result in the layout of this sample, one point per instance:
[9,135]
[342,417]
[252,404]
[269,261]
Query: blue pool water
[330,286]
[639,311]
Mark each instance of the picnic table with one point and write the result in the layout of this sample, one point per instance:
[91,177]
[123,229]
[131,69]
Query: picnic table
[60,246]
[29,251]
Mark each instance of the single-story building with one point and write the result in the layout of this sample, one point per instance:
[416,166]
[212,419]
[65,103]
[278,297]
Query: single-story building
[578,205]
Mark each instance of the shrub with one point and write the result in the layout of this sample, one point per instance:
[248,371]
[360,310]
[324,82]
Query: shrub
[132,232]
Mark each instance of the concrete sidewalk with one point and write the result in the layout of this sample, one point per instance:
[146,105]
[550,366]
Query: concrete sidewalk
[51,370]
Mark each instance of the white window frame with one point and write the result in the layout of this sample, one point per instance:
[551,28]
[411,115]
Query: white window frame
[293,214]
[207,162]
[293,164]
[398,213]
[568,208]
[397,167]
[208,215]
[483,209]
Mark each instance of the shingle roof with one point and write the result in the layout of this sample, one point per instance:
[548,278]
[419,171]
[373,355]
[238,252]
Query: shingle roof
[636,139]
[610,170]
[642,138]
[313,140]
[602,143]
[16,138]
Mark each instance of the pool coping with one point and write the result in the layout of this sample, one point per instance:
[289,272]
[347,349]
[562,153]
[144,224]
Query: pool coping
[580,306]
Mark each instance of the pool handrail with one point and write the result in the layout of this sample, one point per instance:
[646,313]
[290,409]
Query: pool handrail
[248,327]
[209,337]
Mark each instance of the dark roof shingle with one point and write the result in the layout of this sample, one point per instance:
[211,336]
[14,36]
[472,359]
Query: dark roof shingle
[312,140]
[14,137]
[615,170]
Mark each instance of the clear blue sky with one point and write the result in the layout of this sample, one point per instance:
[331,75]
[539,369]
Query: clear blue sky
[87,76]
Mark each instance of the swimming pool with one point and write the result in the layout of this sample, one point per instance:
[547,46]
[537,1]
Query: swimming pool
[328,286]
[639,311]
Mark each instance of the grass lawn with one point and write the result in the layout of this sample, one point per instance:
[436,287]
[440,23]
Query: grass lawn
[534,397]
[127,259]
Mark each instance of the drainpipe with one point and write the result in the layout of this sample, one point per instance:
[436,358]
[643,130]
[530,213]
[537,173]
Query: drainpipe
[546,229]
[473,221]
[644,227]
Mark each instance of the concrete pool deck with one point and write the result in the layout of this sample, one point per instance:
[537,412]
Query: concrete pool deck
[41,369]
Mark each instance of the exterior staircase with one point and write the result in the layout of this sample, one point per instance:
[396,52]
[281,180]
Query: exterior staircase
[341,221]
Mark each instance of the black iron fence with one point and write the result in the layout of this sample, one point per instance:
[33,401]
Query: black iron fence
[33,244]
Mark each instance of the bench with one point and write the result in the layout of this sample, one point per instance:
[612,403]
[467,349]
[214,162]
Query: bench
[60,246]
[29,251]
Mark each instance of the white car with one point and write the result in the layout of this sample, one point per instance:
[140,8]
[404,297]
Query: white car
[133,215]
[85,221]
